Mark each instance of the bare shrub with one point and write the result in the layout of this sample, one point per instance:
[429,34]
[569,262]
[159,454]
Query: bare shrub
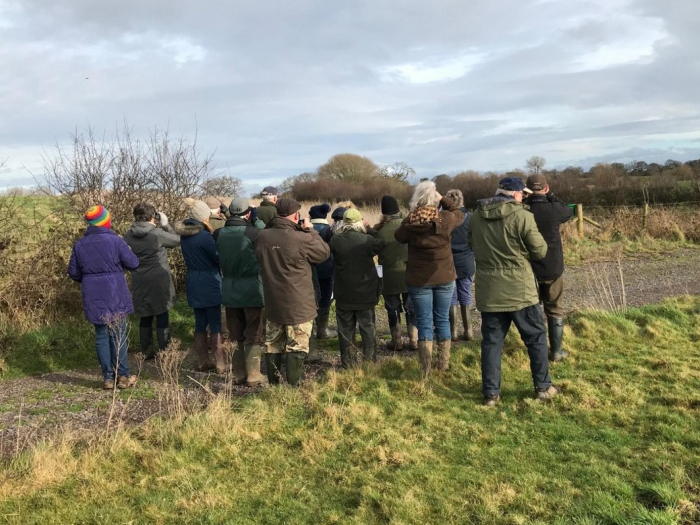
[370,192]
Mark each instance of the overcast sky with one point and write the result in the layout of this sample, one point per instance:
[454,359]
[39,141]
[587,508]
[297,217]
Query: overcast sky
[276,87]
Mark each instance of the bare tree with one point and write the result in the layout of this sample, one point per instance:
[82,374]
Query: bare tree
[535,164]
[288,184]
[223,186]
[399,171]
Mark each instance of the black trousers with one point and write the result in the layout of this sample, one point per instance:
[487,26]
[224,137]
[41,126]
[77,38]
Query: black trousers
[494,328]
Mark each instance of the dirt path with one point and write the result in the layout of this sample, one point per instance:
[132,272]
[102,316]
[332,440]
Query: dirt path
[37,407]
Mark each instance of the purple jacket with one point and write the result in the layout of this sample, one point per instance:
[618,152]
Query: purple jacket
[98,262]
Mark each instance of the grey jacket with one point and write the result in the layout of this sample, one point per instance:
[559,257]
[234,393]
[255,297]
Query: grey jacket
[152,286]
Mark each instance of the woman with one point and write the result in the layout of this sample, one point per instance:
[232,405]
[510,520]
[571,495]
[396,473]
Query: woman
[203,283]
[97,262]
[151,284]
[430,272]
[323,273]
[464,265]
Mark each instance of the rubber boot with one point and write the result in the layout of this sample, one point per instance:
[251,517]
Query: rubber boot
[204,364]
[555,327]
[163,335]
[315,354]
[146,342]
[396,343]
[412,335]
[217,346]
[273,367]
[467,322]
[443,364]
[252,365]
[425,353]
[295,367]
[238,363]
[453,323]
[322,330]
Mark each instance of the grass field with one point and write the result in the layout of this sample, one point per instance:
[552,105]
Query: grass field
[380,446]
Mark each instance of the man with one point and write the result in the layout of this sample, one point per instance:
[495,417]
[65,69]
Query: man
[323,273]
[393,259]
[356,285]
[285,251]
[242,291]
[217,218]
[267,210]
[504,237]
[550,213]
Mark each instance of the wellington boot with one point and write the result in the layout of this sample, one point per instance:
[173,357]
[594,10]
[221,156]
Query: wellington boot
[555,327]
[322,330]
[238,363]
[412,335]
[252,365]
[467,322]
[425,353]
[443,347]
[295,367]
[453,322]
[273,367]
[204,364]
[217,346]
[146,342]
[163,335]
[396,343]
[315,354]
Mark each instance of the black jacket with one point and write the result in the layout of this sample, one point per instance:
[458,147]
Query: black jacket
[462,253]
[550,213]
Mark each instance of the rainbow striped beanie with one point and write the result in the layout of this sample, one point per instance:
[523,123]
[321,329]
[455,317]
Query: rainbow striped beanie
[98,216]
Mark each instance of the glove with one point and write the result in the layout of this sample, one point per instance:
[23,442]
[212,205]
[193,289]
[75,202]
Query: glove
[253,215]
[223,209]
[163,218]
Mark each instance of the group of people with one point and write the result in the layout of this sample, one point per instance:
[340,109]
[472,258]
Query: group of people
[265,277]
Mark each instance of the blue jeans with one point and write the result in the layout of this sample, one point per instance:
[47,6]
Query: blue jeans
[208,316]
[432,307]
[111,343]
[463,291]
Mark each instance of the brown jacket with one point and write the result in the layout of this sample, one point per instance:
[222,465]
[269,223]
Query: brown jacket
[429,250]
[285,253]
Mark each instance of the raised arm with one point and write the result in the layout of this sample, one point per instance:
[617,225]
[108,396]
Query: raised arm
[532,238]
[317,250]
[127,258]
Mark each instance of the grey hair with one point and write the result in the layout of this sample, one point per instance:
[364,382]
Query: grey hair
[507,193]
[457,197]
[425,194]
[269,198]
[351,227]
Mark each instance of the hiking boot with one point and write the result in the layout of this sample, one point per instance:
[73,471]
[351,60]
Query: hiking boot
[204,364]
[126,382]
[492,401]
[145,342]
[443,357]
[217,346]
[273,367]
[396,343]
[555,327]
[453,322]
[295,367]
[252,365]
[238,362]
[465,310]
[547,394]
[412,335]
[322,330]
[425,353]
[108,384]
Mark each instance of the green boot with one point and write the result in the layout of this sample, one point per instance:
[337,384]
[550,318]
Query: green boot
[163,335]
[273,366]
[295,367]
[555,327]
[238,362]
[315,354]
[146,342]
[453,322]
[322,330]
[252,365]
[467,322]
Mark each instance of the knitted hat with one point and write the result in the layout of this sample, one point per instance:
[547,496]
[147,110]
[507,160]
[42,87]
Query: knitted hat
[338,213]
[198,210]
[287,207]
[352,216]
[390,205]
[320,211]
[98,216]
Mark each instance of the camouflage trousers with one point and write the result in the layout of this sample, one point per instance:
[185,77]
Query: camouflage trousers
[285,338]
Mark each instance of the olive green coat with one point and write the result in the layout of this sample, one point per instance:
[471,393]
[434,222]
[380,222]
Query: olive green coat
[393,257]
[266,212]
[505,238]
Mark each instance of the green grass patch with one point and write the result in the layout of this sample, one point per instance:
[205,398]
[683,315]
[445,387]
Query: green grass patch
[378,445]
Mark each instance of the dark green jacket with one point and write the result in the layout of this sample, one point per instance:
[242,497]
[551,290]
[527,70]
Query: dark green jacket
[356,284]
[505,238]
[393,257]
[266,212]
[242,285]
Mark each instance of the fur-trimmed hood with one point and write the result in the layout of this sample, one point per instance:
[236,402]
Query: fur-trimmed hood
[188,227]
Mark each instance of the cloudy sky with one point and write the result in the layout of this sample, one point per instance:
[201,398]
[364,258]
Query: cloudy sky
[276,87]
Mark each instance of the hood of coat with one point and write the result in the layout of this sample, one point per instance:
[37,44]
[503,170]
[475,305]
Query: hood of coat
[99,230]
[141,229]
[498,207]
[188,227]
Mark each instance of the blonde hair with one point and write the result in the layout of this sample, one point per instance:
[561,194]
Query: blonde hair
[351,227]
[425,194]
[457,197]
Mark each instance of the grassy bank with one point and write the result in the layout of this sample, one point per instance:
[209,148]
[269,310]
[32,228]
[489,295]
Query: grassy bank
[380,446]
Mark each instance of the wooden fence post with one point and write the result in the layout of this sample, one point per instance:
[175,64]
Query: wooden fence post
[645,218]
[579,219]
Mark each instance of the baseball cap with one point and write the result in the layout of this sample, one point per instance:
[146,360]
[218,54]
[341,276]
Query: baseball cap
[269,190]
[351,216]
[239,206]
[536,182]
[513,184]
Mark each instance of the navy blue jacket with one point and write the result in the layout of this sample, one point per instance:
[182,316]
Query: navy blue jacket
[325,269]
[462,253]
[202,261]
